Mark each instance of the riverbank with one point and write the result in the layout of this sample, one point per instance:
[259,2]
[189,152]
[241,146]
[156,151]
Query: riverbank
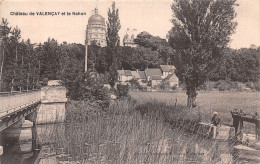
[123,133]
[208,102]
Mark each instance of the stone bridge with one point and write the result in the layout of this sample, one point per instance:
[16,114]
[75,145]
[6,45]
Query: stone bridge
[23,109]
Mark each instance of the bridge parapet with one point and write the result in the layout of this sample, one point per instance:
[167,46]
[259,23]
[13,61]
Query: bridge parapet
[11,103]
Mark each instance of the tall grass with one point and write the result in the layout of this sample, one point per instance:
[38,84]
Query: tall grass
[130,133]
[208,102]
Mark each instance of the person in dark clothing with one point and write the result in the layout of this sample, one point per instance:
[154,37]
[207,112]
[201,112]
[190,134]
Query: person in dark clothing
[215,122]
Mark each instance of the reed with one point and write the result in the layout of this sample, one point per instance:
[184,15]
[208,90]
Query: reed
[125,134]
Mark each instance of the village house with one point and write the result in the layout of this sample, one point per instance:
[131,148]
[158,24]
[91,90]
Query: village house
[153,75]
[124,75]
[169,75]
[155,81]
[172,79]
[139,76]
[167,70]
[149,72]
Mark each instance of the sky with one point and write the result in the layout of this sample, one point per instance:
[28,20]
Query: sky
[152,16]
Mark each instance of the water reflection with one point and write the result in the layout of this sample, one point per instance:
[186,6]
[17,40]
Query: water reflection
[35,148]
[21,152]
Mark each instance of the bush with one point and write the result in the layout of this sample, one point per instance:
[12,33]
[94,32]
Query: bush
[134,84]
[149,83]
[164,85]
[142,88]
[226,85]
[257,85]
[177,116]
[122,90]
[90,87]
[250,85]
[94,88]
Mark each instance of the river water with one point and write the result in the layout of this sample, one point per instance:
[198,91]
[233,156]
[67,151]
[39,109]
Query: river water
[37,150]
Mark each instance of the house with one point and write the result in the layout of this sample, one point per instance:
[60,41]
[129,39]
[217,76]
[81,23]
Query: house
[139,76]
[124,75]
[167,70]
[172,79]
[142,80]
[135,75]
[154,75]
[155,81]
[149,72]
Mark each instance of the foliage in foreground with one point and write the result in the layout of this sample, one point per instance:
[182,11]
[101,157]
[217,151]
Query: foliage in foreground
[122,135]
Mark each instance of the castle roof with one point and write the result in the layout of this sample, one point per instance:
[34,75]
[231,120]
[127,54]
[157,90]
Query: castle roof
[96,19]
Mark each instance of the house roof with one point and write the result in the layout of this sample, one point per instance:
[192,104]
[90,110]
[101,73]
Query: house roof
[120,72]
[156,78]
[167,68]
[153,72]
[135,74]
[141,74]
[124,72]
[169,76]
[138,74]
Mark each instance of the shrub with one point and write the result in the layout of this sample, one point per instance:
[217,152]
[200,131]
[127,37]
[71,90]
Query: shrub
[174,87]
[142,88]
[178,116]
[257,85]
[164,85]
[226,85]
[90,87]
[134,83]
[122,90]
[149,83]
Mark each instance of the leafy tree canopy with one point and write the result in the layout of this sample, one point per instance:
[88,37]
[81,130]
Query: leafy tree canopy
[201,30]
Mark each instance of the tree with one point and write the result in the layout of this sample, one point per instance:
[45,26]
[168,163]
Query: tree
[50,61]
[71,69]
[144,57]
[201,30]
[5,30]
[126,53]
[155,43]
[14,39]
[113,41]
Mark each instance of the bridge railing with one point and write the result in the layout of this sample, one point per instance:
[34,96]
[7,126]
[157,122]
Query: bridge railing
[14,102]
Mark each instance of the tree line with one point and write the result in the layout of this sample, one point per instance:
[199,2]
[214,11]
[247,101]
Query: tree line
[25,65]
[28,66]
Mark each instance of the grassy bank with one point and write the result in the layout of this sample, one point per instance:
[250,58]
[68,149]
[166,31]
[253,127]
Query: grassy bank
[129,133]
[207,102]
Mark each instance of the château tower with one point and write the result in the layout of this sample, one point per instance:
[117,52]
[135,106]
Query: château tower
[95,33]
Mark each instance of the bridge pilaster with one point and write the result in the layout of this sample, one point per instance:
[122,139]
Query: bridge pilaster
[53,100]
